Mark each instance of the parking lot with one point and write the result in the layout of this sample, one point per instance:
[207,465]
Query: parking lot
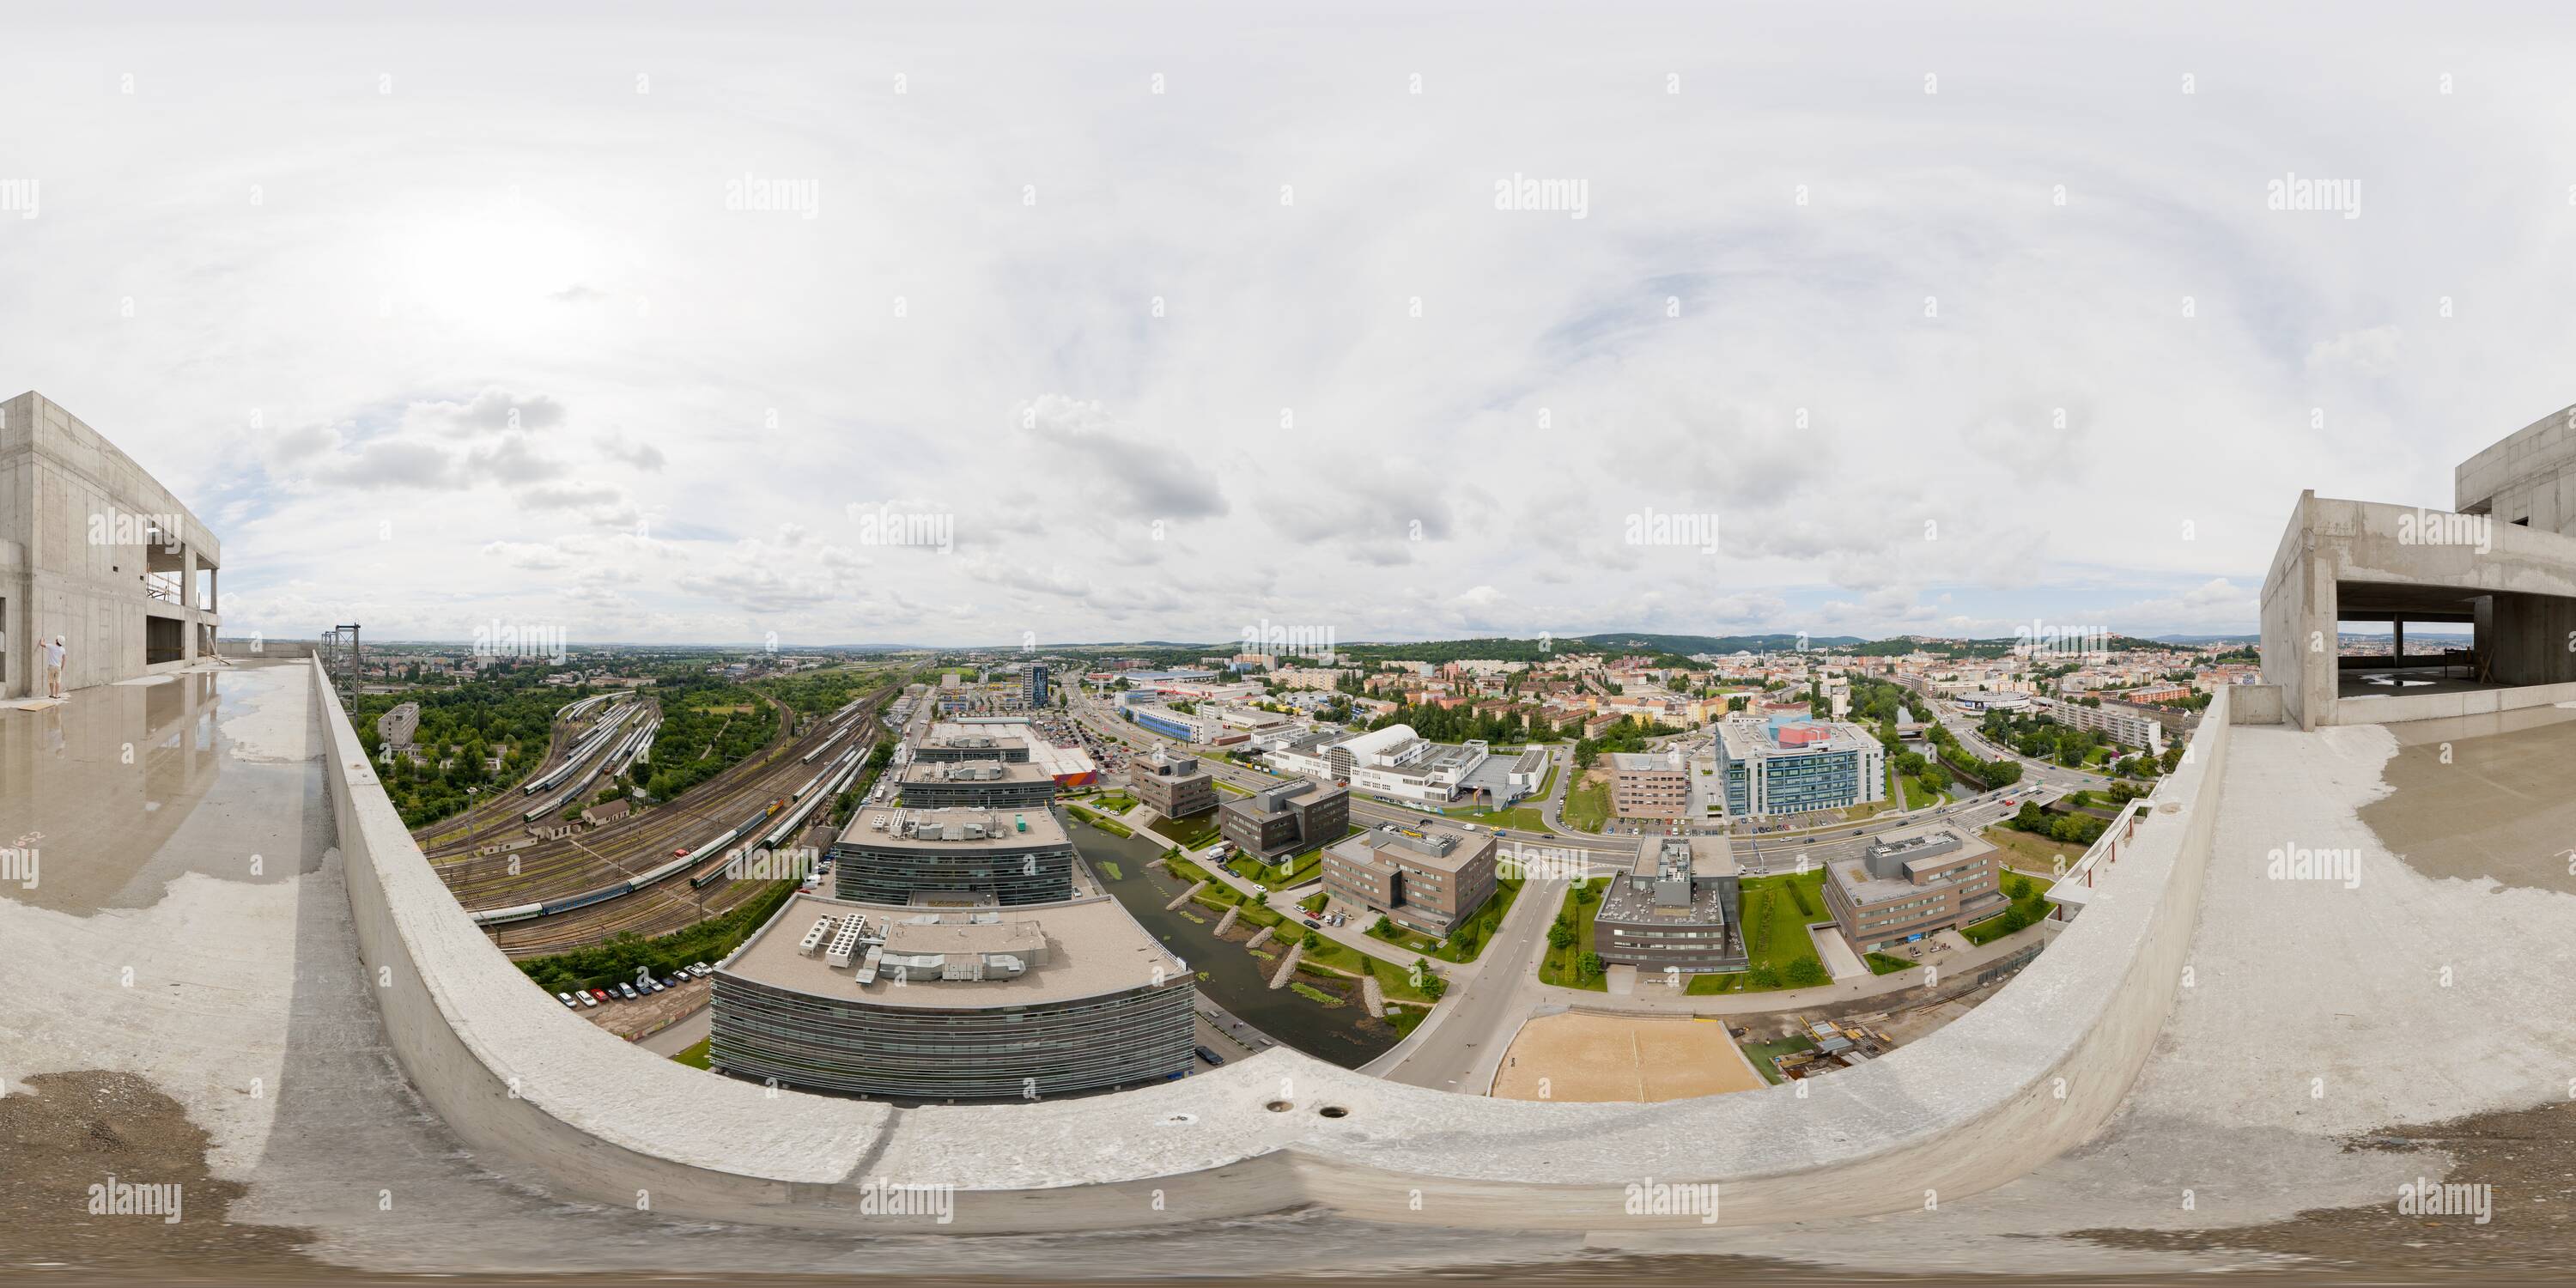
[648,1014]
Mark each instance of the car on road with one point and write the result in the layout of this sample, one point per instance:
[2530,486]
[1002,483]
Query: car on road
[1210,1056]
[1313,924]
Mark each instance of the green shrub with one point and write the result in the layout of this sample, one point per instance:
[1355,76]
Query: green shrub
[1807,972]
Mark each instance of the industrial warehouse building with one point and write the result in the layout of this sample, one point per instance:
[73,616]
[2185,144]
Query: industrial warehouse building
[975,784]
[1677,908]
[1015,1004]
[953,857]
[94,550]
[1788,764]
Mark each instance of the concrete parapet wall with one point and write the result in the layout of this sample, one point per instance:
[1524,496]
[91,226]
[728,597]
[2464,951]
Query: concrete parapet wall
[545,1097]
[2254,704]
[2399,708]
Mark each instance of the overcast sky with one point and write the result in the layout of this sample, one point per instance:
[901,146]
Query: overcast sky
[1176,325]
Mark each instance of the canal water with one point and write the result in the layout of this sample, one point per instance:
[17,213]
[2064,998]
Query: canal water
[1229,976]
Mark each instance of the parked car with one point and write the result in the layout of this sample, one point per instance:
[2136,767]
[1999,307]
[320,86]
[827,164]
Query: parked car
[1210,1056]
[626,991]
[588,1000]
[601,995]
[701,970]
[566,999]
[1313,924]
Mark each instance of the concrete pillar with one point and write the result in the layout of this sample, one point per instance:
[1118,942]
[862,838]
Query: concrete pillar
[187,601]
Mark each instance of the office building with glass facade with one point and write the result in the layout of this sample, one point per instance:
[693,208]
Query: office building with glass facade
[1788,764]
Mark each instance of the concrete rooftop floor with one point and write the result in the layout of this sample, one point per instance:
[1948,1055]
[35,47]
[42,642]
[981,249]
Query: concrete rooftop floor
[149,946]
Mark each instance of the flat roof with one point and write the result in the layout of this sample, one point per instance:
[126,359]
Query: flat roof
[1093,947]
[973,771]
[1637,761]
[1052,760]
[887,825]
[1394,838]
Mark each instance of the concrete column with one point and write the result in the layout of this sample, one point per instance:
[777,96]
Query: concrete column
[187,601]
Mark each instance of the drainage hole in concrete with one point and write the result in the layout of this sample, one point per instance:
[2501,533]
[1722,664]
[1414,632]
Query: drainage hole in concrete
[1278,1106]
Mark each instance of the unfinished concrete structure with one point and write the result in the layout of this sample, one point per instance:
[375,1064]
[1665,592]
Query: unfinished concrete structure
[96,551]
[2502,562]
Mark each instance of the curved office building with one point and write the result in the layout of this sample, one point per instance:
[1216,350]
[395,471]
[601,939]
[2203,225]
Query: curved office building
[913,1005]
[953,857]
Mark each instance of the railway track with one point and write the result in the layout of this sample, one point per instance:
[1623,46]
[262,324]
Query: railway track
[559,869]
[495,815]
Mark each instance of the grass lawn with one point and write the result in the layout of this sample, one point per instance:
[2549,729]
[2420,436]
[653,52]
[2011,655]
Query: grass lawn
[1557,965]
[1882,964]
[1189,831]
[1342,957]
[1916,794]
[1992,928]
[1587,806]
[1777,912]
[1224,786]
[1315,902]
[1478,932]
[696,1057]
[2033,853]
[1406,1019]
[1855,813]
[1111,871]
[1762,1053]
[1113,802]
[1110,825]
[1520,816]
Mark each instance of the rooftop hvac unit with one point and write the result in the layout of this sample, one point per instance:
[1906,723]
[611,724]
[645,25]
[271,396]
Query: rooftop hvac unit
[822,927]
[844,941]
[961,966]
[1022,820]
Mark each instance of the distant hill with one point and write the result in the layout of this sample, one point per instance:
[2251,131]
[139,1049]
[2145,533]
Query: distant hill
[1636,642]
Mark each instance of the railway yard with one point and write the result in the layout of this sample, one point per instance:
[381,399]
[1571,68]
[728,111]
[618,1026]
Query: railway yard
[655,870]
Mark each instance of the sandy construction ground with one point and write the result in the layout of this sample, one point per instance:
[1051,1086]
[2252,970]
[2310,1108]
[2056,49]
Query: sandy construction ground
[1574,1056]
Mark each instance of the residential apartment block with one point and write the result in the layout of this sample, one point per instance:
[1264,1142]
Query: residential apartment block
[1649,785]
[2128,728]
